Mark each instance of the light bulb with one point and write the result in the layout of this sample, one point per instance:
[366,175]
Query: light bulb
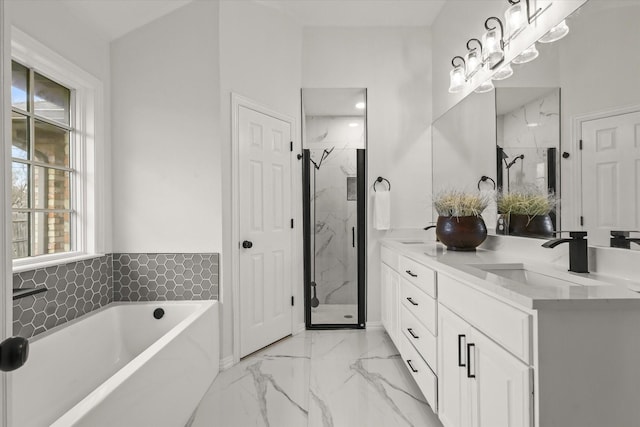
[503,72]
[492,47]
[485,87]
[473,61]
[556,33]
[516,20]
[457,79]
[527,55]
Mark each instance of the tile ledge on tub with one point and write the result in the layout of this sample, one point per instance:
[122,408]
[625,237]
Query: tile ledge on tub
[55,261]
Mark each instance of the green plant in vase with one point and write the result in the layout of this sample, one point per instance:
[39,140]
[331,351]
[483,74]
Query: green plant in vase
[528,209]
[460,225]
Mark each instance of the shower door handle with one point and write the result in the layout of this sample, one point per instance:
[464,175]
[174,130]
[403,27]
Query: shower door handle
[353,237]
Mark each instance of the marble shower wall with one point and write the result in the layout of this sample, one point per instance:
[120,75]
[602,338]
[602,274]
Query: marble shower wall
[530,129]
[335,257]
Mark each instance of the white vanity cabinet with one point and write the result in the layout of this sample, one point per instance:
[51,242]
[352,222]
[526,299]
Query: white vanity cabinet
[490,353]
[390,283]
[480,383]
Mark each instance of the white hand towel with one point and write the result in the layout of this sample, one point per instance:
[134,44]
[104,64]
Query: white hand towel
[382,210]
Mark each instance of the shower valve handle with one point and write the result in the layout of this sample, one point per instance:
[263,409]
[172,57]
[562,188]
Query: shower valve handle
[247,244]
[14,353]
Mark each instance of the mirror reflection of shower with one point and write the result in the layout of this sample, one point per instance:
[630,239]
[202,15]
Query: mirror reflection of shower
[509,165]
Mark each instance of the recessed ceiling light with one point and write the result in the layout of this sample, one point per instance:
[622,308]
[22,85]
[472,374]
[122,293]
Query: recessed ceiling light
[352,125]
[533,124]
[360,105]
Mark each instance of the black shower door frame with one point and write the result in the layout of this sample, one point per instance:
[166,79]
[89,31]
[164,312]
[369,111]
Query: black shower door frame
[361,237]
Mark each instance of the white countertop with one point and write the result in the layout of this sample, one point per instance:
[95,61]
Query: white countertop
[574,290]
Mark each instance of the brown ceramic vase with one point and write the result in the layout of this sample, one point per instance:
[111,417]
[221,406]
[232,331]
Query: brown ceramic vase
[530,226]
[462,233]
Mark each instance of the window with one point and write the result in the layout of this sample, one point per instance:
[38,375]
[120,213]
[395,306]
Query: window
[58,158]
[42,164]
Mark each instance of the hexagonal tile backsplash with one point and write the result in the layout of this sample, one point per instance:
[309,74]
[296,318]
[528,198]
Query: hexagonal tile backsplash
[165,277]
[74,289]
[77,288]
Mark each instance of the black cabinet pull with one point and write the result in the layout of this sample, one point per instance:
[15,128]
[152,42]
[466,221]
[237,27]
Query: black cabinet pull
[410,273]
[411,301]
[469,374]
[411,366]
[412,333]
[460,351]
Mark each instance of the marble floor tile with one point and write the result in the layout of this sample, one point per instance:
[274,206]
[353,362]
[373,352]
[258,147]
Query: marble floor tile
[318,379]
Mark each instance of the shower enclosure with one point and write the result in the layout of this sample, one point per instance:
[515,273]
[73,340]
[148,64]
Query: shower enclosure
[334,134]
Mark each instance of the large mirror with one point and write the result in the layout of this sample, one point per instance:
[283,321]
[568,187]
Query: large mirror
[583,88]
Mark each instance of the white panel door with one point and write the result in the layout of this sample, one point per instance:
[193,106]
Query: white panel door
[454,408]
[265,215]
[611,175]
[501,389]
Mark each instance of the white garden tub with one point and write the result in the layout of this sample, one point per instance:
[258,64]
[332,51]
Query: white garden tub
[120,366]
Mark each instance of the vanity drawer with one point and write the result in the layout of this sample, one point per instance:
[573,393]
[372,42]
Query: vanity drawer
[419,275]
[389,257]
[422,374]
[505,324]
[418,303]
[419,336]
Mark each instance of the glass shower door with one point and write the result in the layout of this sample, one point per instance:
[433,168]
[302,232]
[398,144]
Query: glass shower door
[333,198]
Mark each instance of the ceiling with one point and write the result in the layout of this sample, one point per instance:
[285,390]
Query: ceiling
[360,13]
[114,18]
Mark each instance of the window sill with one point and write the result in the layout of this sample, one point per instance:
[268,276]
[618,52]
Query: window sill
[22,265]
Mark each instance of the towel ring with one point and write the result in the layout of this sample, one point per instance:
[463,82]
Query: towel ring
[485,178]
[380,179]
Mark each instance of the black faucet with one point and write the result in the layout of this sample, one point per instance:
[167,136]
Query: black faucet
[578,252]
[620,239]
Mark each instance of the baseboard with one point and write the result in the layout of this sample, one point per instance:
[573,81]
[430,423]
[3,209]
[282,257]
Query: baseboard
[226,363]
[300,327]
[372,326]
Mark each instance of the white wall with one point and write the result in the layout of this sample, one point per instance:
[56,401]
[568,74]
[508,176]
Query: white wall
[51,24]
[394,64]
[260,57]
[166,144]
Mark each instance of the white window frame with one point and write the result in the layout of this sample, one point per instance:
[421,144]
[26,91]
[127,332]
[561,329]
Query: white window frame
[88,110]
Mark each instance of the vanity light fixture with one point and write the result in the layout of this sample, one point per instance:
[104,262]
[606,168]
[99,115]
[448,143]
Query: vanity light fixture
[486,86]
[516,18]
[457,77]
[529,16]
[473,58]
[493,42]
[360,105]
[503,72]
[556,33]
[527,55]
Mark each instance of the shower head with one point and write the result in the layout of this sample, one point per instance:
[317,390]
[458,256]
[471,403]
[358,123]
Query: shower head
[515,159]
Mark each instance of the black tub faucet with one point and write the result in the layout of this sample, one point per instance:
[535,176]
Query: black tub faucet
[578,252]
[621,239]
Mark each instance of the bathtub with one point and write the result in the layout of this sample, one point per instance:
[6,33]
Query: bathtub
[120,366]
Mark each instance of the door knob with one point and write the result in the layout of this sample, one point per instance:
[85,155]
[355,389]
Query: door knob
[13,353]
[247,244]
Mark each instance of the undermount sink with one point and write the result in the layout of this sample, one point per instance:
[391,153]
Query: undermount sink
[523,275]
